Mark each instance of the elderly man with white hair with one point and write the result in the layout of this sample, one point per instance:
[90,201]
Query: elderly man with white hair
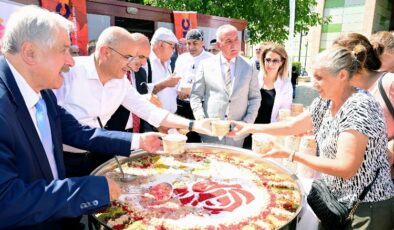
[35,193]
[225,86]
[97,85]
[163,80]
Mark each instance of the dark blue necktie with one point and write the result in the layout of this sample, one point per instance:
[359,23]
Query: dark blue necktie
[45,134]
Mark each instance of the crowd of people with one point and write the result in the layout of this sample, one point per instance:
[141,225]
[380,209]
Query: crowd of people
[62,115]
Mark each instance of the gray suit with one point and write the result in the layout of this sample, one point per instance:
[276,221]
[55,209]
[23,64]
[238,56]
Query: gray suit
[209,98]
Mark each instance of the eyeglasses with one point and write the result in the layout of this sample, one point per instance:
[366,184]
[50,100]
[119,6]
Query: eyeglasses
[213,50]
[171,44]
[273,61]
[128,57]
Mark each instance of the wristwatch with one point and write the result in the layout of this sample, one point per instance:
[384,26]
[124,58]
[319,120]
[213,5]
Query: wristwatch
[191,123]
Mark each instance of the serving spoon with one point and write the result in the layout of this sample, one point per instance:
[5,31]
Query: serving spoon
[125,177]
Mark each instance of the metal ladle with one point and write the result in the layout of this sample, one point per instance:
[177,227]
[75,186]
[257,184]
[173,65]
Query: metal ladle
[125,177]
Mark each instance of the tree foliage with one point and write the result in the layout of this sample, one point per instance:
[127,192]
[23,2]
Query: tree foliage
[268,19]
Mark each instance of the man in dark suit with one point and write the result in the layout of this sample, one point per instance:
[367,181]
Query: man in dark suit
[34,193]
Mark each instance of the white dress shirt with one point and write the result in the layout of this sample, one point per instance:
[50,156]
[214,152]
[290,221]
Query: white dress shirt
[224,62]
[168,95]
[186,66]
[129,124]
[86,98]
[31,98]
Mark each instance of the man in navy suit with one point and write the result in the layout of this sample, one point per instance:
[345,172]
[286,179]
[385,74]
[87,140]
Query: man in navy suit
[34,193]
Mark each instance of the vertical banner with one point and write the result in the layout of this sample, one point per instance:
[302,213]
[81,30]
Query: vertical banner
[183,22]
[7,8]
[291,35]
[75,11]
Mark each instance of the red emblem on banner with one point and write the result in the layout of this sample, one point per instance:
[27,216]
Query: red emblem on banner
[75,11]
[183,22]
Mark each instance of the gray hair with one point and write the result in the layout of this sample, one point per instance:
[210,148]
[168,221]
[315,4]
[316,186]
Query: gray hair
[336,59]
[33,24]
[222,29]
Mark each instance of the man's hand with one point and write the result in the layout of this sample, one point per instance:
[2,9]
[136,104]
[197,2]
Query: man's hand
[151,142]
[170,81]
[183,95]
[154,99]
[203,126]
[114,189]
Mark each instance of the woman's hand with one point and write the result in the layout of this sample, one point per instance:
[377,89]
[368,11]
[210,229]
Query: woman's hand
[239,128]
[277,152]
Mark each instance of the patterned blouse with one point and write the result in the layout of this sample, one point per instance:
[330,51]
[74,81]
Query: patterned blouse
[361,113]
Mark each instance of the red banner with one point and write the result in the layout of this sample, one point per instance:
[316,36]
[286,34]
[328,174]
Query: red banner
[75,11]
[183,22]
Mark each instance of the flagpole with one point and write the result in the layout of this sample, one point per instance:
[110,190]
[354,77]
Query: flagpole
[291,35]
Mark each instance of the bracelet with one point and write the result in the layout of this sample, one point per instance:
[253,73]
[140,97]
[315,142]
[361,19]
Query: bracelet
[291,156]
[191,123]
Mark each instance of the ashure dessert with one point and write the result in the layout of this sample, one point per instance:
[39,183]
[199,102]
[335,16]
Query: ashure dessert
[203,189]
[174,143]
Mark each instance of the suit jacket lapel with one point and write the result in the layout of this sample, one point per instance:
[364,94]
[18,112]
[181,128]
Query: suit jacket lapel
[24,117]
[56,141]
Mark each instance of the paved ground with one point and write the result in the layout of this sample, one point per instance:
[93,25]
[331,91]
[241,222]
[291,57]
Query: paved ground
[305,94]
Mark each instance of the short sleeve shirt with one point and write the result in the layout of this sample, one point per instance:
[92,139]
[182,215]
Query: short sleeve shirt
[361,113]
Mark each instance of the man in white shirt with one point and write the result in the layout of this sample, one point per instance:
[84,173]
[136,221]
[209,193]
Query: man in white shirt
[186,67]
[122,119]
[95,87]
[163,81]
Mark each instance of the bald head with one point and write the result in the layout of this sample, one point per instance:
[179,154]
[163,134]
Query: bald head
[142,53]
[116,49]
[112,36]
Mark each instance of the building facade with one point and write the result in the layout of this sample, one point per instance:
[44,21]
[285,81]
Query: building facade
[361,16]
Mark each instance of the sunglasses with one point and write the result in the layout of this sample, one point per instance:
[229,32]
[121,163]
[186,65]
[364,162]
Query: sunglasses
[273,61]
[128,57]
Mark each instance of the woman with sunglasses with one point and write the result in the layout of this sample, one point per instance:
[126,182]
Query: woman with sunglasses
[275,88]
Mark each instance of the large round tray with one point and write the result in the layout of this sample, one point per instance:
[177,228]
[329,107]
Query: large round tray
[211,149]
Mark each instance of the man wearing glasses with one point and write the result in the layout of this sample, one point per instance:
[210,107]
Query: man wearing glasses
[164,82]
[95,87]
[180,48]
